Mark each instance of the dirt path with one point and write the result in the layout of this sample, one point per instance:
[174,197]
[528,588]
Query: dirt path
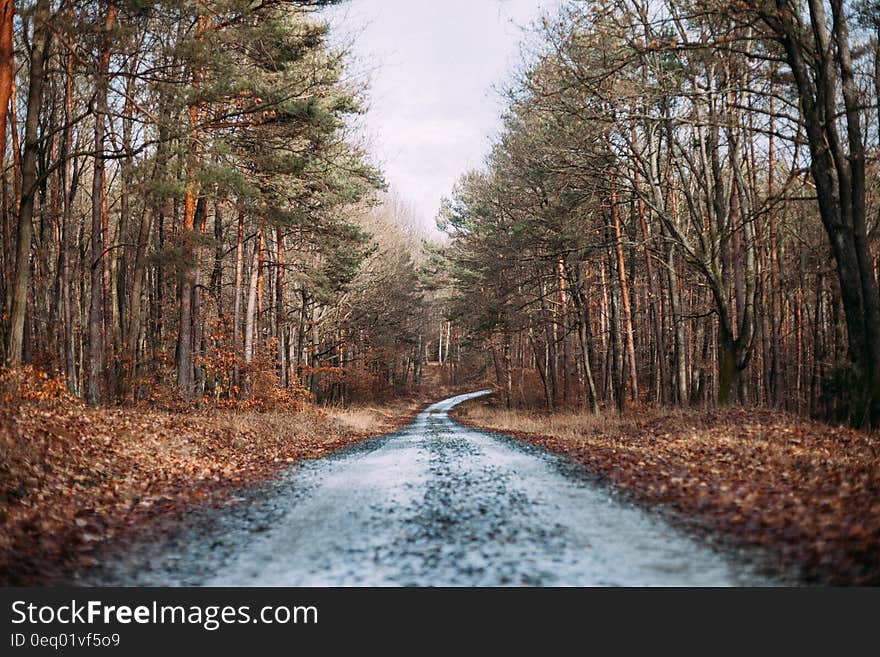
[435,503]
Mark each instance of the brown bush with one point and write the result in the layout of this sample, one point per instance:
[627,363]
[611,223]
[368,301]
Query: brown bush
[26,383]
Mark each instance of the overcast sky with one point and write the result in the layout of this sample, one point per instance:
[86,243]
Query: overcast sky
[432,66]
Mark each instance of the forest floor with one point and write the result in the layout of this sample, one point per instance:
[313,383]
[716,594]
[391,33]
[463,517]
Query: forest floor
[806,492]
[75,479]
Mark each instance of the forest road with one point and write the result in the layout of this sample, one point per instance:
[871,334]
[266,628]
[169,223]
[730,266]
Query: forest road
[435,503]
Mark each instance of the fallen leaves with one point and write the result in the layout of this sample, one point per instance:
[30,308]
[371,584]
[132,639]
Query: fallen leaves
[808,492]
[72,478]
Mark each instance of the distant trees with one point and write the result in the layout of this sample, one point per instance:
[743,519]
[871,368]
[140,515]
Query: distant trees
[658,216]
[185,198]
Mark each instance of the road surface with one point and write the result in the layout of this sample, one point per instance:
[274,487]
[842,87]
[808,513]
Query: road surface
[435,503]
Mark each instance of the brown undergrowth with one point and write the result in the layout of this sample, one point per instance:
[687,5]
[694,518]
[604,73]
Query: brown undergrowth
[807,492]
[74,478]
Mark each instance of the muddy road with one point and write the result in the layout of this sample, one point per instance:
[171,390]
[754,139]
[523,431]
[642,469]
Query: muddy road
[435,503]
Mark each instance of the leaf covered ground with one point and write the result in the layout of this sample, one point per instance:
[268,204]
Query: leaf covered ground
[806,492]
[73,478]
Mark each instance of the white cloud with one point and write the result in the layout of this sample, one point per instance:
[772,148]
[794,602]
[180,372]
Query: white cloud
[434,65]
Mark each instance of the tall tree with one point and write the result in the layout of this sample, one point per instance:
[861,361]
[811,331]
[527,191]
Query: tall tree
[822,69]
[38,57]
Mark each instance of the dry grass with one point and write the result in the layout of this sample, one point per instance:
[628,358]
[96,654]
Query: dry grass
[367,418]
[568,424]
[807,491]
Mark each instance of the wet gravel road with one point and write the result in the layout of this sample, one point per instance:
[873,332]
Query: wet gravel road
[435,503]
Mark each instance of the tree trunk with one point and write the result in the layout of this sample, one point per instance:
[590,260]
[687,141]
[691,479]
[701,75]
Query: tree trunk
[197,319]
[654,300]
[39,58]
[217,272]
[728,367]
[191,193]
[97,307]
[279,306]
[236,299]
[132,332]
[585,364]
[624,300]
[582,321]
[68,189]
[7,71]
[838,171]
[542,371]
[7,84]
[251,313]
